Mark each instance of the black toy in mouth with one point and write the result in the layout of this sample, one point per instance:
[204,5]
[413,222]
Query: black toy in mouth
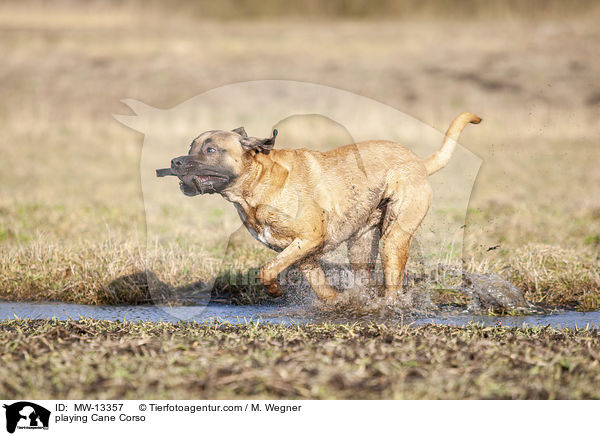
[194,184]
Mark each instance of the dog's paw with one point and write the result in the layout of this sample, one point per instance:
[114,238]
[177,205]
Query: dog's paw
[274,290]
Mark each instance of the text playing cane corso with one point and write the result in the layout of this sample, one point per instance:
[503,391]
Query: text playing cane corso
[303,203]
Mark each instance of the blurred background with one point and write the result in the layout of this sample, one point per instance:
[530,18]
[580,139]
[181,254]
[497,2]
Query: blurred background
[71,211]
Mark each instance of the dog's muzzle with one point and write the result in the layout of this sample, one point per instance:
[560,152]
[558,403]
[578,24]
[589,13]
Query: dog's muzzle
[196,178]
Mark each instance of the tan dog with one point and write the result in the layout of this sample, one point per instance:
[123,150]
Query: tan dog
[303,203]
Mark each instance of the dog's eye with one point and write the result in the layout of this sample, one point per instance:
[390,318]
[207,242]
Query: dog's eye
[210,150]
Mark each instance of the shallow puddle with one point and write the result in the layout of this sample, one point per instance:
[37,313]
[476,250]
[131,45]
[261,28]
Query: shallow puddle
[276,314]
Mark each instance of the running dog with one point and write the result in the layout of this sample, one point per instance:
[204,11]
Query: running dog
[303,203]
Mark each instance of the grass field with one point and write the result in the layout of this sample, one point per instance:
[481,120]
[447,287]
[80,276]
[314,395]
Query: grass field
[73,224]
[71,214]
[110,360]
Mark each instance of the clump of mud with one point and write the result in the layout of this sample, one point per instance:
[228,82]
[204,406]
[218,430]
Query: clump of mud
[490,292]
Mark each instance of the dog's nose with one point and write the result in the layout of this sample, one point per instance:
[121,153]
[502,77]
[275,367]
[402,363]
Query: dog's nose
[176,162]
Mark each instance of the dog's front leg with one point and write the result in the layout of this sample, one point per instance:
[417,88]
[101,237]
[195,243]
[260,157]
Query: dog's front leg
[298,249]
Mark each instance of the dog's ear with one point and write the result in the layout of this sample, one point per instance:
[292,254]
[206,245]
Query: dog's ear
[240,131]
[262,145]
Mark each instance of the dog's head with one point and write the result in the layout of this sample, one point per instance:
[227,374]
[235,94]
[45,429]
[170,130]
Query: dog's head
[216,159]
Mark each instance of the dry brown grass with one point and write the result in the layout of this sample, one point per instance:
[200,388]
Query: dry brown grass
[557,275]
[71,213]
[331,10]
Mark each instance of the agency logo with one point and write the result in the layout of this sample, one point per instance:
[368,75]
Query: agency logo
[26,415]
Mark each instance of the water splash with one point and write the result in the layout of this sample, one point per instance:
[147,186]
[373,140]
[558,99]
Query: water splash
[482,294]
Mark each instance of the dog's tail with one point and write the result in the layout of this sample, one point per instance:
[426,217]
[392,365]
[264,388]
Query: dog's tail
[440,158]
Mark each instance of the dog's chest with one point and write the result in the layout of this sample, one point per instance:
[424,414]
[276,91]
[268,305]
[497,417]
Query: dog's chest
[264,236]
[261,230]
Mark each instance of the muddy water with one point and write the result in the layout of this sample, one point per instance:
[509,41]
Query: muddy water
[276,314]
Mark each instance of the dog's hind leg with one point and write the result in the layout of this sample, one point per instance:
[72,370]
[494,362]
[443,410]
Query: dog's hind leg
[363,251]
[404,215]
[395,248]
[316,278]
